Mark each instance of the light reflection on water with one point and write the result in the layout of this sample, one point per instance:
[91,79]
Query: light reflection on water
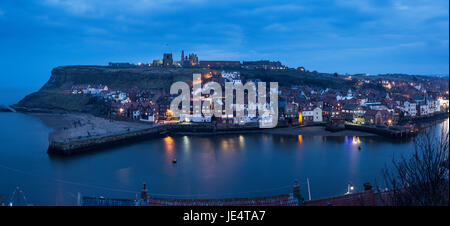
[213,166]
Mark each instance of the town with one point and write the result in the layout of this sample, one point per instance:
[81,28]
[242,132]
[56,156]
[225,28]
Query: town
[372,100]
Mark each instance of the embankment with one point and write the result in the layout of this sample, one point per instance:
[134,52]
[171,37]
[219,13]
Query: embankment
[70,146]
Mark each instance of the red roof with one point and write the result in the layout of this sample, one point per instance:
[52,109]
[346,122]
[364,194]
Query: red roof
[371,113]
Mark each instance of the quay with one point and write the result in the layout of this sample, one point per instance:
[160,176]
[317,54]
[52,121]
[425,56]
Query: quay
[397,132]
[78,145]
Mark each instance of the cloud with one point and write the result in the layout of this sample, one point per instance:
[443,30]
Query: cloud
[344,32]
[78,7]
[100,8]
[277,27]
[272,9]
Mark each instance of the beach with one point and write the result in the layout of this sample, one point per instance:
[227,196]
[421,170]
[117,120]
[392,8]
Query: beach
[85,125]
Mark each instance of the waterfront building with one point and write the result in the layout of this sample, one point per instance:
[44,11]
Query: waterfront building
[317,114]
[410,108]
[377,117]
[348,111]
[291,111]
[312,114]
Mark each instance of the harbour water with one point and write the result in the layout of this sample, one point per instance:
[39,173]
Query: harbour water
[232,165]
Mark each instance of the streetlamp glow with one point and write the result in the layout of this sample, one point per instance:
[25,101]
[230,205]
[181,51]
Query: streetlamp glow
[350,188]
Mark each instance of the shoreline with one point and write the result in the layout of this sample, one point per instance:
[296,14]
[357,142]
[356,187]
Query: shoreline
[80,133]
[74,133]
[62,123]
[289,131]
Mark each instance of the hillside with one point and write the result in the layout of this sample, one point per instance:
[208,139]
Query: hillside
[53,95]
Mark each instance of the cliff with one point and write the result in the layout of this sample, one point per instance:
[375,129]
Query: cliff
[52,97]
[62,78]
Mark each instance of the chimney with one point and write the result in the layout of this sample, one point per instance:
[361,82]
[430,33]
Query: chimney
[182,57]
[367,186]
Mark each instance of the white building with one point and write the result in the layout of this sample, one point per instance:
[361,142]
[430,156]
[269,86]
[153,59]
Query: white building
[317,112]
[348,97]
[410,108]
[423,109]
[443,103]
[315,115]
[190,118]
[93,90]
[231,76]
[433,106]
[136,114]
[151,118]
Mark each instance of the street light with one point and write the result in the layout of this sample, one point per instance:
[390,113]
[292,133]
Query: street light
[350,188]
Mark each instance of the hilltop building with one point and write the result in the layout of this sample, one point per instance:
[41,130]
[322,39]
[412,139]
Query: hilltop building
[121,65]
[219,63]
[263,64]
[182,58]
[191,60]
[157,63]
[167,60]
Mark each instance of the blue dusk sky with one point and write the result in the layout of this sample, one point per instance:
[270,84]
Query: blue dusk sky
[344,36]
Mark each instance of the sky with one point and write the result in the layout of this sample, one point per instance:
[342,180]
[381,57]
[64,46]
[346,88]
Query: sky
[344,36]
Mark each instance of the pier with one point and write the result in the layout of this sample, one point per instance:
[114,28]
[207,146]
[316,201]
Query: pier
[78,145]
[6,109]
[397,132]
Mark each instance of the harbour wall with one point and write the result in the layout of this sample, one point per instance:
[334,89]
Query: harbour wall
[86,144]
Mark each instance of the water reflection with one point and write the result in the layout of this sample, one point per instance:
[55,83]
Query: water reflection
[169,146]
[356,140]
[213,165]
[300,139]
[186,144]
[241,142]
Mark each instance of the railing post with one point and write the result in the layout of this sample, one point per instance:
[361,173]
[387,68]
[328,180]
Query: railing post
[296,193]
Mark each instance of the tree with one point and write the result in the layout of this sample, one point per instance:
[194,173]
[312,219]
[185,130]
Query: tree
[423,178]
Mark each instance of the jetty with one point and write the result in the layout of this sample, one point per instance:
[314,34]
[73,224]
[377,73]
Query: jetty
[398,132]
[76,145]
[6,109]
